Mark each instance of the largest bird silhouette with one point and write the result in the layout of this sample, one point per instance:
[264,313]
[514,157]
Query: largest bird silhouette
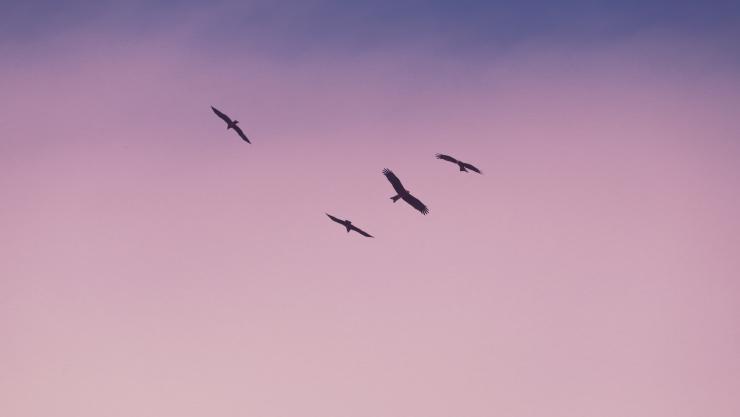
[464,166]
[348,224]
[403,193]
[231,124]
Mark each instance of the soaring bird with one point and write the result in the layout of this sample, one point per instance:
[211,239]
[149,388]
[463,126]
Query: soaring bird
[464,166]
[403,193]
[348,224]
[231,124]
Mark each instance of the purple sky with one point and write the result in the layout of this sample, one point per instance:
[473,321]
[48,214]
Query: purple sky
[155,265]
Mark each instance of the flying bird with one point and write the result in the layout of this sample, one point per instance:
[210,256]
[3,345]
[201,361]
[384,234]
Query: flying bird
[403,193]
[464,166]
[348,224]
[231,124]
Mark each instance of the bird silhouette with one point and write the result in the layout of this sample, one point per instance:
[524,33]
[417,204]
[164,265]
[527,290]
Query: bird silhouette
[464,166]
[231,124]
[348,224]
[403,193]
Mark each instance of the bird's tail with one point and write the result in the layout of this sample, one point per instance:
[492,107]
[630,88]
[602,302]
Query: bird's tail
[395,198]
[462,168]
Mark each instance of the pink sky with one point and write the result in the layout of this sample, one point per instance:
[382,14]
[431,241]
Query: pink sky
[155,265]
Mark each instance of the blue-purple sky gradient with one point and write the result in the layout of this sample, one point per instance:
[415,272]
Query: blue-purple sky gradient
[294,25]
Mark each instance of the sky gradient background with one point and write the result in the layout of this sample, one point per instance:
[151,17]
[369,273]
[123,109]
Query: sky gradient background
[152,264]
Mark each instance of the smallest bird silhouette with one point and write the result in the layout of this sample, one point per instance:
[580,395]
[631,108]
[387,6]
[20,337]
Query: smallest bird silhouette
[464,166]
[348,224]
[231,124]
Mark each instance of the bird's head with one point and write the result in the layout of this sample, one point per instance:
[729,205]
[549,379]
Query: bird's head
[236,121]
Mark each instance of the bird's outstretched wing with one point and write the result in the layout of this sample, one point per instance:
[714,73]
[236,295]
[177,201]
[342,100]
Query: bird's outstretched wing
[446,158]
[360,231]
[221,115]
[415,203]
[241,134]
[395,182]
[470,167]
[335,219]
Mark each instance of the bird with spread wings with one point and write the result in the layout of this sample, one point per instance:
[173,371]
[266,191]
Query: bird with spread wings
[231,124]
[464,166]
[348,224]
[404,194]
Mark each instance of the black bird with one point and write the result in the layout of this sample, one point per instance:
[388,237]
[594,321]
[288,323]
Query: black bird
[231,124]
[403,193]
[348,224]
[464,166]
